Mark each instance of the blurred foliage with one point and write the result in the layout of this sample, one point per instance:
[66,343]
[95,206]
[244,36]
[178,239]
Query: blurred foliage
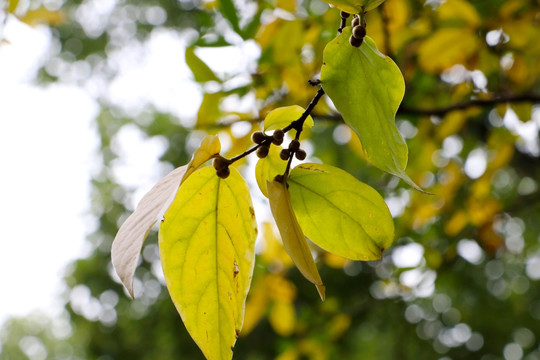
[461,281]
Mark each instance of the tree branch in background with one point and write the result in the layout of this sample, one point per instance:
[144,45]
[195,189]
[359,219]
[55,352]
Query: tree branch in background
[440,111]
[534,98]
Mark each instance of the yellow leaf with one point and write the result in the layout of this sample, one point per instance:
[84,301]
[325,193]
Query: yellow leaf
[282,317]
[338,325]
[268,167]
[287,5]
[279,288]
[447,47]
[12,5]
[292,236]
[459,9]
[456,223]
[210,146]
[207,241]
[43,16]
[283,116]
[335,261]
[482,211]
[256,305]
[274,254]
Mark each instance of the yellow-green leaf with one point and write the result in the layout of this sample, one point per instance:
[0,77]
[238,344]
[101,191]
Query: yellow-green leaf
[268,167]
[293,238]
[355,6]
[283,116]
[129,240]
[367,88]
[209,111]
[339,213]
[207,248]
[200,70]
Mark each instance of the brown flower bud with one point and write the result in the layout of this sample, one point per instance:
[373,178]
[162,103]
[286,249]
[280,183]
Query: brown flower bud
[263,151]
[284,154]
[294,145]
[355,41]
[223,173]
[300,154]
[359,32]
[258,137]
[220,163]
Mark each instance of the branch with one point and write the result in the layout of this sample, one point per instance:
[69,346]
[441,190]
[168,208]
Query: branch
[405,110]
[534,98]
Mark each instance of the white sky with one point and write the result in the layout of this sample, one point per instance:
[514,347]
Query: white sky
[46,147]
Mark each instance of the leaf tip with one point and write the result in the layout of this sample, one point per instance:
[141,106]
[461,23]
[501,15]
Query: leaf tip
[321,289]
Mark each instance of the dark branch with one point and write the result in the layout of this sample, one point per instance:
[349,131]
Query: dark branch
[440,111]
[534,98]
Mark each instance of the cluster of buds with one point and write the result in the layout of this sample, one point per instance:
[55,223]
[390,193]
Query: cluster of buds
[294,148]
[221,165]
[358,32]
[264,141]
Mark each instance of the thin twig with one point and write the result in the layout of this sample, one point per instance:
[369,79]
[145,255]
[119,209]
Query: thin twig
[298,125]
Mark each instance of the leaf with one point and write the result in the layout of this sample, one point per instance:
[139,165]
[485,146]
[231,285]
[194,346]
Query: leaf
[282,318]
[355,6]
[367,88]
[207,248]
[12,5]
[228,10]
[210,146]
[339,213]
[209,111]
[283,116]
[268,167]
[129,240]
[459,9]
[447,47]
[200,70]
[292,236]
[130,237]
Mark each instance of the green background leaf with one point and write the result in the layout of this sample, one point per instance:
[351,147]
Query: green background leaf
[339,213]
[200,70]
[207,252]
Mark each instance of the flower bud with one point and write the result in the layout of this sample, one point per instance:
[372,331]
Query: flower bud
[262,151]
[258,137]
[300,154]
[223,173]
